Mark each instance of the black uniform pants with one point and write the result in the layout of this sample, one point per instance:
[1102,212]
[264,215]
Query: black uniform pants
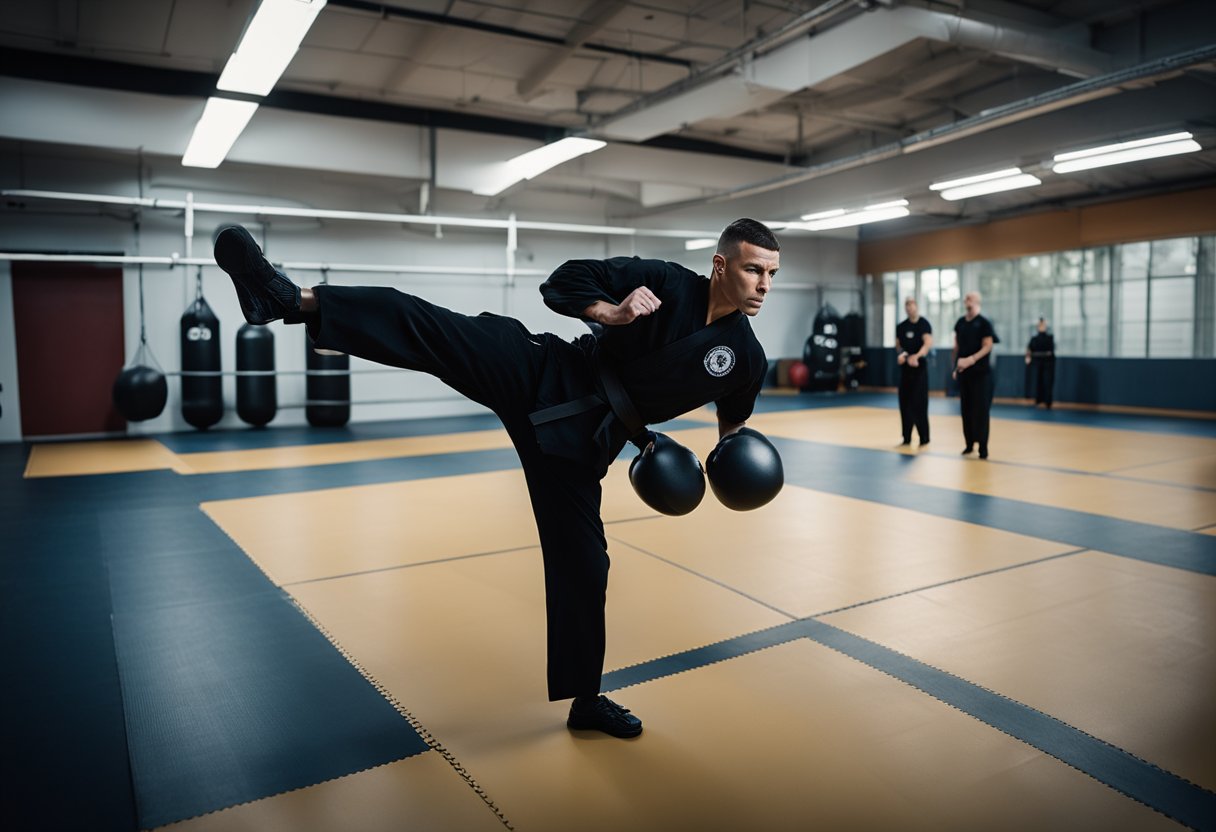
[1043,371]
[914,401]
[496,362]
[975,400]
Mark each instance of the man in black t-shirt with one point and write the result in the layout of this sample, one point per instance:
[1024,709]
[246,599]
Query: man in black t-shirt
[672,341]
[914,339]
[973,341]
[1041,358]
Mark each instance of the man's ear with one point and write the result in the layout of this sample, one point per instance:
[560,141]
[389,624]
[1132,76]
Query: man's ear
[719,263]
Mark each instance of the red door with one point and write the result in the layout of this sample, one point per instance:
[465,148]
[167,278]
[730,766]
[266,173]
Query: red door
[69,333]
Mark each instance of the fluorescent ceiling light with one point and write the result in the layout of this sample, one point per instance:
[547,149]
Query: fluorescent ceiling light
[857,218]
[695,245]
[822,215]
[1116,154]
[882,206]
[222,121]
[972,180]
[268,45]
[842,218]
[535,162]
[1010,180]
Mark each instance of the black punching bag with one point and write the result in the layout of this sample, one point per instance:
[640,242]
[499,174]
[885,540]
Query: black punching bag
[821,353]
[257,399]
[327,388]
[140,392]
[202,395]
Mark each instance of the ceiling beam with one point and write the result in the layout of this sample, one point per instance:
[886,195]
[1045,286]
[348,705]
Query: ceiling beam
[578,35]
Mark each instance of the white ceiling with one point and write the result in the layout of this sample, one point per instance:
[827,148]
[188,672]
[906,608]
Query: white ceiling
[664,80]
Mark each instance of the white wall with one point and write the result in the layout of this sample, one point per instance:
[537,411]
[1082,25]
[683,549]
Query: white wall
[55,227]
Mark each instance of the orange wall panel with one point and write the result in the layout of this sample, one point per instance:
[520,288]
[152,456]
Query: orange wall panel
[1155,217]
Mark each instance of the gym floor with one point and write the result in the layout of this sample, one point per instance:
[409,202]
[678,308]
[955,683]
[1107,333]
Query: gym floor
[295,629]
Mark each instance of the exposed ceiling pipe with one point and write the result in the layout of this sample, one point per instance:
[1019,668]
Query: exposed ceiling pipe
[1066,96]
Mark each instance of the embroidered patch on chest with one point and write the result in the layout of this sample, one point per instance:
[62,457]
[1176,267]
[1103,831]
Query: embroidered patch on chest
[719,361]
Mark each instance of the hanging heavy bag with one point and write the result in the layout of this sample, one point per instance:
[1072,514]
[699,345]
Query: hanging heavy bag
[203,394]
[821,353]
[257,398]
[327,387]
[140,391]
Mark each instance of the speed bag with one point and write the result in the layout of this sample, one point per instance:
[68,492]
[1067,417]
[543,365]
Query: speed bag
[202,395]
[327,388]
[257,398]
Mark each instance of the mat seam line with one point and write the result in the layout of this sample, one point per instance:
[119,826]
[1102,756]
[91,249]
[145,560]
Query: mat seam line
[430,739]
[812,616]
[411,565]
[425,735]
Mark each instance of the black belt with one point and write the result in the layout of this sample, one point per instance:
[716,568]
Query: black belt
[1042,355]
[615,395]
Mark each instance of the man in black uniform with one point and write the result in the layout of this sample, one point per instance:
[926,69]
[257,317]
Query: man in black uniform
[671,341]
[1041,358]
[914,339]
[973,340]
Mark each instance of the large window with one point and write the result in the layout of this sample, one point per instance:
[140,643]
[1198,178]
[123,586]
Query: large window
[1146,299]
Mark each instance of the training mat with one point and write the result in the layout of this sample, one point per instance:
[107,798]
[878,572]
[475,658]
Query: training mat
[1116,647]
[229,701]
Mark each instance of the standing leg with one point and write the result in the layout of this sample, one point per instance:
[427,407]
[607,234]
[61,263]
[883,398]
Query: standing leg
[966,394]
[566,502]
[921,399]
[1049,380]
[985,385]
[906,407]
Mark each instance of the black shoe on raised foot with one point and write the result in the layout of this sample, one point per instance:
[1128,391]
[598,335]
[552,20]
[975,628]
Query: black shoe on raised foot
[967,450]
[602,714]
[264,292]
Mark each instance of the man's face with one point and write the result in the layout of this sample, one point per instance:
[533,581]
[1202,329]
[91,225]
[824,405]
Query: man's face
[972,304]
[910,308]
[746,275]
[1042,326]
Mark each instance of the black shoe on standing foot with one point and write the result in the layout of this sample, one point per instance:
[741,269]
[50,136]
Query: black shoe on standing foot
[602,714]
[264,292]
[983,453]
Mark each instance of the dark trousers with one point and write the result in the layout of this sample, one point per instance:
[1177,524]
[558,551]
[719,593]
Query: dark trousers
[496,362]
[914,401]
[975,401]
[1043,372]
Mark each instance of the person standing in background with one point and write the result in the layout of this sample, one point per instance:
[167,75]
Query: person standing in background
[973,341]
[1041,358]
[914,339]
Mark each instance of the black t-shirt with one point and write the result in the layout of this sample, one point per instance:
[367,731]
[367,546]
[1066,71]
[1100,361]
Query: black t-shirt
[911,336]
[970,335]
[1042,342]
[729,370]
